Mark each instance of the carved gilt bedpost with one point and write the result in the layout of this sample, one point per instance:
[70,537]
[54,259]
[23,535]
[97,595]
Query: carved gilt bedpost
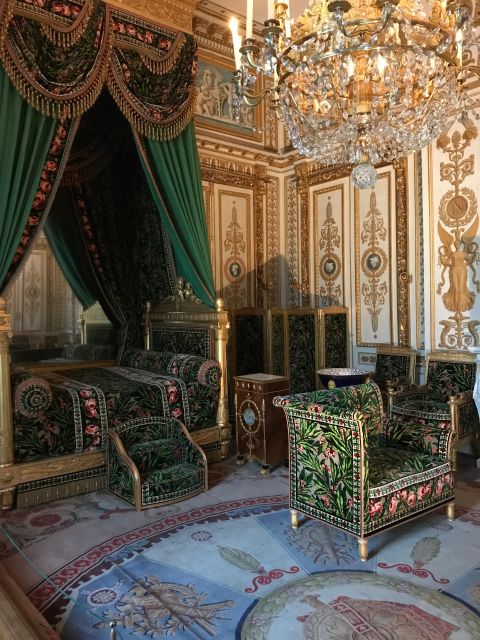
[221,340]
[6,421]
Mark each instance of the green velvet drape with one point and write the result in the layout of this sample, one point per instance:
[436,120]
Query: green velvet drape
[25,136]
[173,173]
[66,242]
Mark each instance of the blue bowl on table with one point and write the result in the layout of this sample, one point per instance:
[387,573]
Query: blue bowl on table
[342,377]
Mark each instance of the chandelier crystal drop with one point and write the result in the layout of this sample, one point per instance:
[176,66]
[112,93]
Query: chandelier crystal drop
[362,82]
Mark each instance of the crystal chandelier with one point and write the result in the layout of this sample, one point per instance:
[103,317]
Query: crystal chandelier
[360,82]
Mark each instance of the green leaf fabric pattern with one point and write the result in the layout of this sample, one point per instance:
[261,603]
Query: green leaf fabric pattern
[353,468]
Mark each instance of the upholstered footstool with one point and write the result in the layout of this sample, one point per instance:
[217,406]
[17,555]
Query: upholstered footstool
[153,461]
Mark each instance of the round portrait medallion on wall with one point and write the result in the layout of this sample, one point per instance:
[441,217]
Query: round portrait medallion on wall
[374,262]
[234,269]
[330,266]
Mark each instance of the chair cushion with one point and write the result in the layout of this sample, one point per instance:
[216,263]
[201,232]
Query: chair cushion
[404,483]
[423,408]
[389,464]
[171,483]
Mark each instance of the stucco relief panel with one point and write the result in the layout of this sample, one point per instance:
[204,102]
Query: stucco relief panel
[375,262]
[454,226]
[329,244]
[235,242]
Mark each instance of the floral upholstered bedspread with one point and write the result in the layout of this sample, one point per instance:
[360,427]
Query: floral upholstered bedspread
[70,412]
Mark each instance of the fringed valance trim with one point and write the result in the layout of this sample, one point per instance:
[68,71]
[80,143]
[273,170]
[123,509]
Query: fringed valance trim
[60,63]
[70,34]
[6,14]
[63,23]
[146,125]
[25,74]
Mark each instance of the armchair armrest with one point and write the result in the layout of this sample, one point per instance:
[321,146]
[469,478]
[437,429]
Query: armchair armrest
[422,436]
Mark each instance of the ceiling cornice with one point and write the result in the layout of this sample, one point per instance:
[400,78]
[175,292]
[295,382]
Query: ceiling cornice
[176,14]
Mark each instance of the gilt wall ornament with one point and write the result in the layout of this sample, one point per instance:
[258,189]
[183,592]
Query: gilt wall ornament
[458,253]
[374,262]
[234,268]
[331,263]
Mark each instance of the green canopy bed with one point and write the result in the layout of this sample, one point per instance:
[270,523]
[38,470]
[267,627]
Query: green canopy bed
[97,146]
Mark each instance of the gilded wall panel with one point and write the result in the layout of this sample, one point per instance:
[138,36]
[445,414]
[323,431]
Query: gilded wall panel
[208,195]
[234,225]
[329,244]
[375,262]
[272,272]
[292,242]
[454,233]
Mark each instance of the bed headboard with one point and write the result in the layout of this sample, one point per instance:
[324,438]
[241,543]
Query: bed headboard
[183,324]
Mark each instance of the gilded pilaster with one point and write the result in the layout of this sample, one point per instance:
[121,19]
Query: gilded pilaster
[302,185]
[6,421]
[259,199]
[403,277]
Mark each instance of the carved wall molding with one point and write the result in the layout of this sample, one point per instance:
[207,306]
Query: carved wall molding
[176,14]
[292,229]
[272,284]
[259,200]
[403,277]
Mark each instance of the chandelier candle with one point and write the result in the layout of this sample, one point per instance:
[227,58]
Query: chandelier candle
[358,82]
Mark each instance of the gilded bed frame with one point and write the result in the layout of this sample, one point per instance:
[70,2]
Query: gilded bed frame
[177,312]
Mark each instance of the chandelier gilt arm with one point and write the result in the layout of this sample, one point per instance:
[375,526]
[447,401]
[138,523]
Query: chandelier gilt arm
[360,82]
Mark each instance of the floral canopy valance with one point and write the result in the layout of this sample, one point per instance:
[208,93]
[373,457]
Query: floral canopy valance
[60,53]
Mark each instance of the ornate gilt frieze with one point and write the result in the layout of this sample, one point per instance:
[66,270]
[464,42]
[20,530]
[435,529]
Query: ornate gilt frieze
[176,14]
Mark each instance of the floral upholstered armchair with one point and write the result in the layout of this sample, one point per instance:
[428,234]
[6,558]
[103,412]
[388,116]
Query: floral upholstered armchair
[444,401]
[354,469]
[152,461]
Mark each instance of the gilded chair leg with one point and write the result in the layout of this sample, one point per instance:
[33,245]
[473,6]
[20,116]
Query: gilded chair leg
[451,511]
[294,518]
[363,549]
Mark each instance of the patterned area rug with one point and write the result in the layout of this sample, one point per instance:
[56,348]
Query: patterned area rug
[227,564]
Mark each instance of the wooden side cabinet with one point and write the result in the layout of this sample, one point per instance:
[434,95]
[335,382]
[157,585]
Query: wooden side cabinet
[261,428]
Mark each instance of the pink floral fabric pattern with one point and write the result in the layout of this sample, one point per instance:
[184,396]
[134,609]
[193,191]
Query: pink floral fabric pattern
[352,468]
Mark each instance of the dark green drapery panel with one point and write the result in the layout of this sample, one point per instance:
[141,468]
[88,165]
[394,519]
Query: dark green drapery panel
[66,241]
[25,137]
[173,173]
[126,241]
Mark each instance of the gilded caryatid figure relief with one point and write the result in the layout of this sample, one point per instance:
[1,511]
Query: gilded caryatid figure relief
[457,261]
